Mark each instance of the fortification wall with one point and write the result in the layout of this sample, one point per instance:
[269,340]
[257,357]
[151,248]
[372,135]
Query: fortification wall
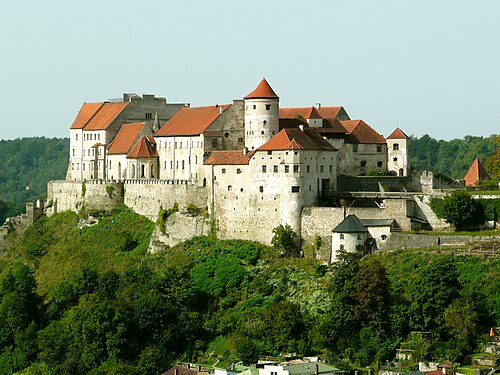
[146,196]
[89,195]
[373,183]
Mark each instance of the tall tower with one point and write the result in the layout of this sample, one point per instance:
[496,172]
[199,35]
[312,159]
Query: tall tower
[398,150]
[261,115]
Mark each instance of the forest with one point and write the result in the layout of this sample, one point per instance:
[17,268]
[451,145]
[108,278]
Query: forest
[78,299]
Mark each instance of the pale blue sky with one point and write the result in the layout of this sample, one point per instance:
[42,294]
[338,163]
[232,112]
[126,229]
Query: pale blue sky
[426,66]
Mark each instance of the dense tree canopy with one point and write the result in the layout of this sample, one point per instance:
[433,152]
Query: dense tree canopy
[459,209]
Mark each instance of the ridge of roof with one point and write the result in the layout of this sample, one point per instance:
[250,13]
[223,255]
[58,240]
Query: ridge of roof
[359,131]
[143,149]
[262,91]
[191,120]
[325,112]
[85,114]
[229,157]
[398,134]
[475,173]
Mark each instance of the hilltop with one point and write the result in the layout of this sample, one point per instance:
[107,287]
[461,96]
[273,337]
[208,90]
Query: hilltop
[84,297]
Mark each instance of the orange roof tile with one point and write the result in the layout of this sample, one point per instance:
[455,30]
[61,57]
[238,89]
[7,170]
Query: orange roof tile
[87,111]
[296,139]
[230,157]
[323,112]
[143,149]
[398,134]
[125,138]
[105,116]
[359,131]
[263,90]
[191,121]
[475,173]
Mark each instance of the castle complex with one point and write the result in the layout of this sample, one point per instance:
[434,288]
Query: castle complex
[251,164]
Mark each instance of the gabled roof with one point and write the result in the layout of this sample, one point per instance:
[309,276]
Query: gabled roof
[310,368]
[296,139]
[87,111]
[125,138]
[191,121]
[323,112]
[351,224]
[105,116]
[398,134]
[475,173]
[143,149]
[229,157]
[359,131]
[263,91]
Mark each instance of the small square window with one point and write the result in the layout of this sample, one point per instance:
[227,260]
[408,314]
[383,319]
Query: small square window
[223,170]
[238,171]
[379,148]
[395,159]
[254,106]
[264,168]
[268,107]
[287,169]
[295,169]
[379,164]
[295,189]
[395,146]
[229,188]
[275,169]
[261,189]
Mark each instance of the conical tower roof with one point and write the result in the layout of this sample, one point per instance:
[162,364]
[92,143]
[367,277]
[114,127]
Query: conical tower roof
[262,91]
[475,173]
[351,224]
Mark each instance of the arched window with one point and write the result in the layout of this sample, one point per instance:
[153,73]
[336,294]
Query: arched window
[341,247]
[133,171]
[342,236]
[143,169]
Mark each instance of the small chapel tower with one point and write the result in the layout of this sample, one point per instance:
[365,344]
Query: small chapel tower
[261,115]
[398,149]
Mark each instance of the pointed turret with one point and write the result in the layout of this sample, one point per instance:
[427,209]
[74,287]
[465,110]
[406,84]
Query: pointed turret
[475,173]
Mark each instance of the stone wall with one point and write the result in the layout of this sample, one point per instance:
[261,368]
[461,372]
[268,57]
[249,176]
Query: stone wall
[146,196]
[372,183]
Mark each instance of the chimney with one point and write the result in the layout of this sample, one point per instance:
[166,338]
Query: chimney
[318,106]
[221,109]
[245,151]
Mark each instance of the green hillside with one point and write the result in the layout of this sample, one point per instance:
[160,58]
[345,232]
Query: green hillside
[78,299]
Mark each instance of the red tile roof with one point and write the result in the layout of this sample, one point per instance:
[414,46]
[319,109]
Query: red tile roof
[359,131]
[398,134]
[125,138]
[231,157]
[323,112]
[475,173]
[191,121]
[87,111]
[296,139]
[105,116]
[143,149]
[263,90]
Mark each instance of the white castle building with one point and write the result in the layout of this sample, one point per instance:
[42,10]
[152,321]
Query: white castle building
[256,165]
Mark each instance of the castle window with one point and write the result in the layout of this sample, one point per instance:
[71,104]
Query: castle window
[341,247]
[73,152]
[358,236]
[223,170]
[287,169]
[394,159]
[183,164]
[354,148]
[295,169]
[310,188]
[110,164]
[268,107]
[379,148]
[308,169]
[77,166]
[98,137]
[295,189]
[321,169]
[83,166]
[383,237]
[214,142]
[196,159]
[149,116]
[254,106]
[262,132]
[264,169]
[238,171]
[380,164]
[226,134]
[240,140]
[395,146]
[76,137]
[269,152]
[72,166]
[264,122]
[331,169]
[95,137]
[83,152]
[275,169]
[363,163]
[229,188]
[261,189]
[341,236]
[171,164]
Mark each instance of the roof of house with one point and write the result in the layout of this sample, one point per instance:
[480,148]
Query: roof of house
[229,157]
[328,112]
[351,224]
[398,134]
[144,148]
[105,116]
[182,370]
[359,131]
[125,138]
[296,139]
[377,222]
[310,368]
[262,91]
[475,173]
[191,121]
[87,111]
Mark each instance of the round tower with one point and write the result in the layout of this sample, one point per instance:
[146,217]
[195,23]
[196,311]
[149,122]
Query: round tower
[261,115]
